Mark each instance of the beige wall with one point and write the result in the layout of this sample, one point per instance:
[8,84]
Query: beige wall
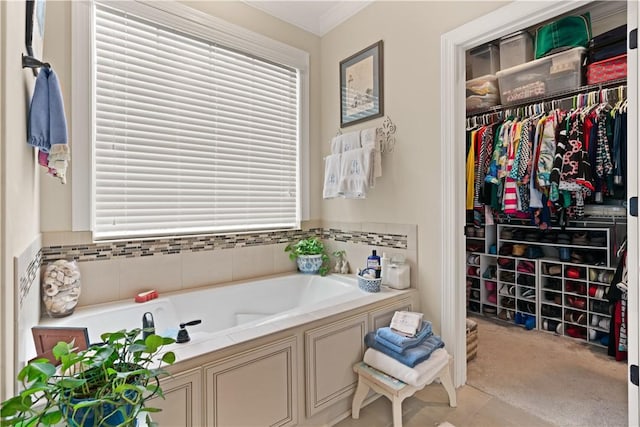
[19,186]
[409,190]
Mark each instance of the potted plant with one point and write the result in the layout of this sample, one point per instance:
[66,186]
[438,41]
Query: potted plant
[310,255]
[108,384]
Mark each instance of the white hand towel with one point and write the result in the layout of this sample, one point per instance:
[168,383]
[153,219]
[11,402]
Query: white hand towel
[350,141]
[369,139]
[406,322]
[355,167]
[331,176]
[422,374]
[336,144]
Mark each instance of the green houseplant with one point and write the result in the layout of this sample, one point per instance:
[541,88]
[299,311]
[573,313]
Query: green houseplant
[310,255]
[108,384]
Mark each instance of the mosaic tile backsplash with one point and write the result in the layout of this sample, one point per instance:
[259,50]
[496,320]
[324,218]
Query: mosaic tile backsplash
[164,246]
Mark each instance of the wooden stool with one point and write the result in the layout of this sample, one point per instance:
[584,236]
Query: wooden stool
[394,389]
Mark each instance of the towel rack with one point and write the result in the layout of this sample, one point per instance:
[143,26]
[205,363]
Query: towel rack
[33,63]
[385,134]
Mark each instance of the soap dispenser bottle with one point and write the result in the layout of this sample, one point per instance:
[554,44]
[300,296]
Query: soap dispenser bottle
[373,261]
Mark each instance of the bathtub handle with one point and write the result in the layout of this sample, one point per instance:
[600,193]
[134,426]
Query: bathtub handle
[192,323]
[183,335]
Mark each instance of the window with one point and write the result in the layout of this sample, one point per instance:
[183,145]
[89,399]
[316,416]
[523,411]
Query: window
[190,135]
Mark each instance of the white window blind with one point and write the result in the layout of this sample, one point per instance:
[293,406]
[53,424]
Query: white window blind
[190,136]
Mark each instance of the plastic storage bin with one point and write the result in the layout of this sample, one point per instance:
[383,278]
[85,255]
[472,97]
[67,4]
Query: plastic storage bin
[482,92]
[542,77]
[516,49]
[485,60]
[607,70]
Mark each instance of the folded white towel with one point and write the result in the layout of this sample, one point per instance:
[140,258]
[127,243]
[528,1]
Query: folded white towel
[406,322]
[350,141]
[331,176]
[369,139]
[420,375]
[355,173]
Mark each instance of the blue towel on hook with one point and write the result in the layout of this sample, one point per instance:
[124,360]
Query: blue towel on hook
[47,122]
[399,343]
[410,357]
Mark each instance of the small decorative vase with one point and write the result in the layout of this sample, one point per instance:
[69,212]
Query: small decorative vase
[309,264]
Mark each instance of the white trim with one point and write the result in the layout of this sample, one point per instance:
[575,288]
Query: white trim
[633,229]
[508,19]
[202,24]
[81,113]
[312,20]
[190,21]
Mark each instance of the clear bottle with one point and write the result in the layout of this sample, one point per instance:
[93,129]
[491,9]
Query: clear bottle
[373,261]
[384,266]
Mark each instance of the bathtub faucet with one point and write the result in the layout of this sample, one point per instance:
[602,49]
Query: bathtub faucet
[148,326]
[183,335]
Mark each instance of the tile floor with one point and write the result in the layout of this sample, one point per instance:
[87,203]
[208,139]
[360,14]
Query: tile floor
[430,407]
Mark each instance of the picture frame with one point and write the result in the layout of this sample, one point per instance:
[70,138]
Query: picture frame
[34,27]
[361,86]
[46,337]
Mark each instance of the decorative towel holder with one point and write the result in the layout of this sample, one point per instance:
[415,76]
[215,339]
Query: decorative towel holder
[386,135]
[33,63]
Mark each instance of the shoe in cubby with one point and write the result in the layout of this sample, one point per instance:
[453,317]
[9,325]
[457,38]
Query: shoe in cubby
[551,325]
[527,293]
[572,301]
[575,317]
[507,276]
[577,332]
[506,263]
[551,311]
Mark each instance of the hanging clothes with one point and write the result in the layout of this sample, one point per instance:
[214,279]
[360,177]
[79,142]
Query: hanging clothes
[548,165]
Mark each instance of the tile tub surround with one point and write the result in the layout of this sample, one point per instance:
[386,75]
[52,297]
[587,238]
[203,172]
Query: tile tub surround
[167,246]
[116,270]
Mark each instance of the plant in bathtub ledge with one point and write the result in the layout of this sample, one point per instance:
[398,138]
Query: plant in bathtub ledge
[106,385]
[310,255]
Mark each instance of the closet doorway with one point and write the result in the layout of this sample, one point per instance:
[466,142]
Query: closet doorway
[504,21]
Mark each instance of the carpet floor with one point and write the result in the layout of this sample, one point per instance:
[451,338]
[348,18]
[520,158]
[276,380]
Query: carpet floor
[560,380]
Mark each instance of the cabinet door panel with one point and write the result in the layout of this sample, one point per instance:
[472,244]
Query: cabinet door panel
[331,352]
[256,388]
[182,405]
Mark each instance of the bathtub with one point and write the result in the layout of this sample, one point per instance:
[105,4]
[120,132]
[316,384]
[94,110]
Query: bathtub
[296,336]
[240,309]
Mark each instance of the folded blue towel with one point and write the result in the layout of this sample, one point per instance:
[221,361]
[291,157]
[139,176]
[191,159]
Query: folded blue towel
[47,122]
[399,343]
[410,357]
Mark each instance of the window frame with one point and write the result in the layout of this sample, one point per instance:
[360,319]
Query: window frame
[190,21]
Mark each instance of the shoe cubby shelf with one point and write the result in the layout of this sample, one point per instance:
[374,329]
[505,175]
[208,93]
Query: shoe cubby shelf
[574,301]
[537,289]
[580,245]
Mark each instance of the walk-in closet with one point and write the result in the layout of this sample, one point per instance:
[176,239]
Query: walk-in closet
[546,181]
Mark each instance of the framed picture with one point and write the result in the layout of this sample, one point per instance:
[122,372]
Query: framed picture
[34,34]
[46,337]
[361,89]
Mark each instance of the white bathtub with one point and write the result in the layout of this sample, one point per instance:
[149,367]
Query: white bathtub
[230,313]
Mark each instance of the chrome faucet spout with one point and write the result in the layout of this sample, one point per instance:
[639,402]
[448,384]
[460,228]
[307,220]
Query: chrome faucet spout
[148,325]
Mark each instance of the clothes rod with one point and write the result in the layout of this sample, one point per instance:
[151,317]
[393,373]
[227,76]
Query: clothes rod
[559,96]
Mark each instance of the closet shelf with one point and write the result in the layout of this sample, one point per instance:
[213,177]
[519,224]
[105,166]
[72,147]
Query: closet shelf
[555,97]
